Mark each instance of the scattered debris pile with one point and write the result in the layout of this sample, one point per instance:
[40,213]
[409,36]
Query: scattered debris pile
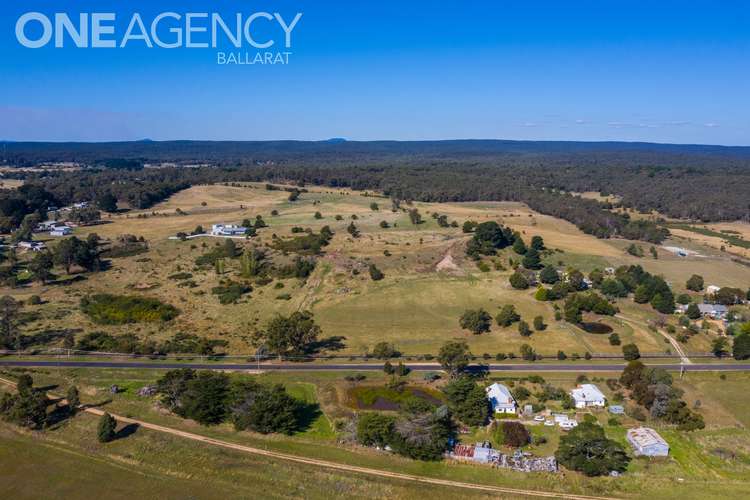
[518,461]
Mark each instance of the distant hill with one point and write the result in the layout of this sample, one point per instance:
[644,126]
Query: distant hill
[233,152]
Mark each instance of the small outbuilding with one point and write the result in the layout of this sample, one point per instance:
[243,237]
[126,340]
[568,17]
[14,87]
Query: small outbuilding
[647,442]
[617,409]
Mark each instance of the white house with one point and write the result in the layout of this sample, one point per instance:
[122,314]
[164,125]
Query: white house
[588,395]
[60,231]
[647,442]
[501,399]
[228,230]
[712,289]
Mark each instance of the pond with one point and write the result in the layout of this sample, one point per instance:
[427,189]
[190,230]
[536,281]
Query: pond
[386,398]
[594,327]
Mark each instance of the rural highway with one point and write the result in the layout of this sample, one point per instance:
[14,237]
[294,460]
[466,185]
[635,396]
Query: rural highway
[569,367]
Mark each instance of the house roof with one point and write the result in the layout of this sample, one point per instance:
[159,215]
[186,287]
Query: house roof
[587,392]
[499,394]
[644,437]
[712,308]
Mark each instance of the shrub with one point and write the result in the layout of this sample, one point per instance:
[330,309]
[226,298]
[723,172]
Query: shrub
[375,273]
[231,292]
[515,434]
[375,429]
[385,350]
[507,316]
[630,352]
[539,323]
[523,329]
[518,281]
[109,309]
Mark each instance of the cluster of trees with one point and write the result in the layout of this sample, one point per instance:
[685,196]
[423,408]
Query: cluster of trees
[73,251]
[26,200]
[479,321]
[680,182]
[531,254]
[588,302]
[645,287]
[652,388]
[420,431]
[138,188]
[489,237]
[309,244]
[26,408]
[467,400]
[211,398]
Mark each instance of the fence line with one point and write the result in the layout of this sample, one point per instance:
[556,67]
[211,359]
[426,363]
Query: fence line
[61,352]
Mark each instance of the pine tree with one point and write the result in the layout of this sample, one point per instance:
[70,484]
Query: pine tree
[74,400]
[106,429]
[531,259]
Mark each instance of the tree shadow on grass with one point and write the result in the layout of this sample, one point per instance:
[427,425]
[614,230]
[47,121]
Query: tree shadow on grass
[126,431]
[307,414]
[58,416]
[46,388]
[334,343]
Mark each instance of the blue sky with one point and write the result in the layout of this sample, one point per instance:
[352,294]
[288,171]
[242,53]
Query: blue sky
[658,71]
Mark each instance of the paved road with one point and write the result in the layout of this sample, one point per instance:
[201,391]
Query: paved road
[569,367]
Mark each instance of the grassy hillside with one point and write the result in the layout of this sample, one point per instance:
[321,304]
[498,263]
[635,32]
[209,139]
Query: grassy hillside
[428,280]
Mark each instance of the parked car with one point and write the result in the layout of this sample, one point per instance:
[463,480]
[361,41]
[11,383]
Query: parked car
[568,425]
[539,418]
[549,423]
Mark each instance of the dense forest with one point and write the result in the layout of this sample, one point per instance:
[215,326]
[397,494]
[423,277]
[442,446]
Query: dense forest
[706,183]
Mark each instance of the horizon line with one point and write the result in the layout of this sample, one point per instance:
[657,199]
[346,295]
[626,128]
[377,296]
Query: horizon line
[343,140]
